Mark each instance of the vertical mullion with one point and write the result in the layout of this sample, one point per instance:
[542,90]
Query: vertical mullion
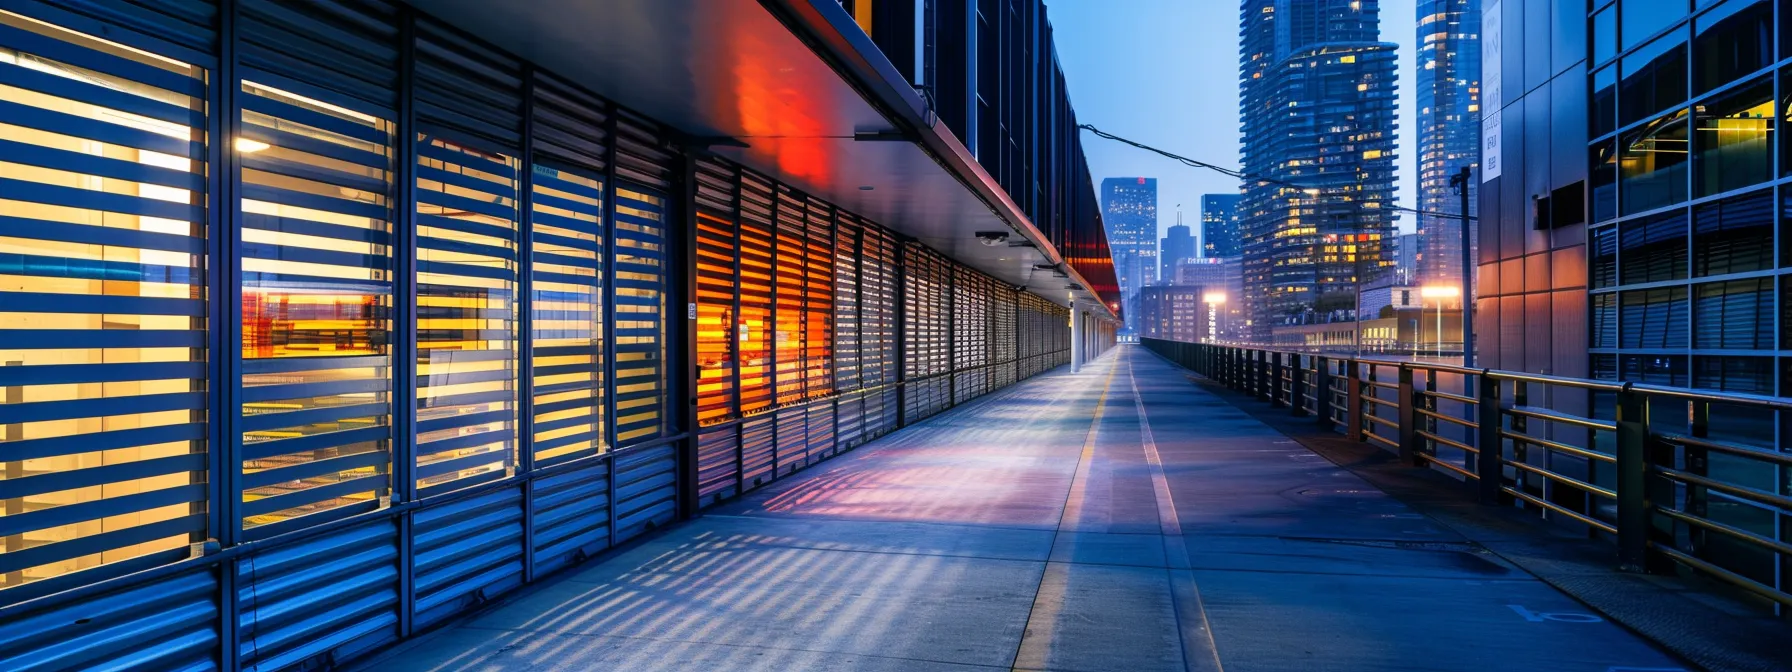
[682,239]
[900,332]
[404,312]
[523,306]
[223,442]
[740,464]
[607,231]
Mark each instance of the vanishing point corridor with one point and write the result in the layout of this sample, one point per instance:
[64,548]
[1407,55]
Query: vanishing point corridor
[1119,518]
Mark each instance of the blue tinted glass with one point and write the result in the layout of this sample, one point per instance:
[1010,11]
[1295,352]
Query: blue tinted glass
[1643,18]
[1605,34]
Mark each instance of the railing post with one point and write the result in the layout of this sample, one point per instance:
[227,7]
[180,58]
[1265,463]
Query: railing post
[1409,419]
[1275,378]
[1297,387]
[1322,390]
[1636,491]
[1266,390]
[1698,463]
[1489,467]
[1353,401]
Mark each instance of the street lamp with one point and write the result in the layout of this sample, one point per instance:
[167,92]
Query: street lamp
[1213,301]
[1440,292]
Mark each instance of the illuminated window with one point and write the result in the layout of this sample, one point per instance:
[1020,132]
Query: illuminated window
[566,306]
[466,314]
[716,242]
[640,281]
[317,291]
[102,304]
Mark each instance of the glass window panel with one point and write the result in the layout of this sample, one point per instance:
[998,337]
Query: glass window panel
[1652,164]
[1733,144]
[1604,249]
[1734,235]
[818,306]
[567,314]
[1735,315]
[640,286]
[1653,318]
[316,294]
[1653,249]
[789,273]
[1604,181]
[1667,370]
[1605,320]
[754,334]
[1643,18]
[1731,42]
[1605,34]
[1604,110]
[466,314]
[1653,78]
[715,316]
[103,320]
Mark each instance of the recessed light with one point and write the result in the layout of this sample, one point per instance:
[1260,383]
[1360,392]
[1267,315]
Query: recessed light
[867,188]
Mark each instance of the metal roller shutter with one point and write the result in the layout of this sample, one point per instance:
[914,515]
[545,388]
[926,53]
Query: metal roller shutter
[572,515]
[717,282]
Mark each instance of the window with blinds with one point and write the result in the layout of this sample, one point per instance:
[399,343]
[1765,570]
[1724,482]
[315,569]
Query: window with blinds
[1734,315]
[1653,318]
[716,287]
[1653,249]
[847,344]
[640,289]
[1734,235]
[818,303]
[790,272]
[103,313]
[753,333]
[316,294]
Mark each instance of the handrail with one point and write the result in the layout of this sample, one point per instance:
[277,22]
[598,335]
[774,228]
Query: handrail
[1353,395]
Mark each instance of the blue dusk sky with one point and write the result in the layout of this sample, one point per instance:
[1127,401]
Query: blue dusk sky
[1165,73]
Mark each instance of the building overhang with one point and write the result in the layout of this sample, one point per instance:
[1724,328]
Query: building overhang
[813,100]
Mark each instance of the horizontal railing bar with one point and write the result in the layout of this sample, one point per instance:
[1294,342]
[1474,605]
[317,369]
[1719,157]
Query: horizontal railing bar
[1428,457]
[1374,418]
[1740,534]
[1751,494]
[1565,480]
[1582,383]
[1608,528]
[1448,442]
[1559,447]
[1730,448]
[1437,394]
[1381,384]
[1564,418]
[1450,419]
[1386,442]
[1380,402]
[1728,576]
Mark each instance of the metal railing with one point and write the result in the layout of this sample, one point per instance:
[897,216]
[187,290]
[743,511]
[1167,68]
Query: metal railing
[1675,492]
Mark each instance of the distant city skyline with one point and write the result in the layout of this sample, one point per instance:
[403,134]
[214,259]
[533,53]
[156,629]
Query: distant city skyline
[1188,102]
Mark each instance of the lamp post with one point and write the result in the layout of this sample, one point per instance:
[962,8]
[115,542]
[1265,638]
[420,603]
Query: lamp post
[1460,182]
[1440,292]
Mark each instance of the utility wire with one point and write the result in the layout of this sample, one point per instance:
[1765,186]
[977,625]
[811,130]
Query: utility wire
[1240,175]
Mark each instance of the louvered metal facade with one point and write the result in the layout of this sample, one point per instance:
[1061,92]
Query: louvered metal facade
[332,322]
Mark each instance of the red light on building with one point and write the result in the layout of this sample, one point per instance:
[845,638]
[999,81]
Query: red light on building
[1141,180]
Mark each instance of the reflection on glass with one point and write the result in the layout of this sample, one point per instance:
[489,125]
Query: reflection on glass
[1653,318]
[1653,78]
[640,282]
[1643,18]
[466,314]
[1603,113]
[1603,181]
[566,304]
[1652,167]
[102,304]
[1733,146]
[1735,315]
[1653,249]
[1734,235]
[317,285]
[1731,42]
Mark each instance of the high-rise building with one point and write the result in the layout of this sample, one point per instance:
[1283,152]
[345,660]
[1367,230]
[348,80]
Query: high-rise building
[1129,209]
[1178,246]
[1219,224]
[1449,130]
[1176,313]
[1317,113]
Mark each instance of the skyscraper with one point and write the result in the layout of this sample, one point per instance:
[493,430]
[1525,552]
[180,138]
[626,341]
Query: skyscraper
[1219,224]
[1129,209]
[1449,124]
[1177,246]
[1316,108]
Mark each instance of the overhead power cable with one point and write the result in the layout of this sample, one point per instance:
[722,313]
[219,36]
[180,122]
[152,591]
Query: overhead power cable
[1247,177]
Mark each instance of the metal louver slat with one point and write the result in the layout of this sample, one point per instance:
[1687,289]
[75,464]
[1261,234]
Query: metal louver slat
[325,49]
[818,301]
[572,515]
[467,89]
[718,463]
[717,286]
[754,334]
[848,353]
[646,490]
[331,595]
[466,552]
[641,153]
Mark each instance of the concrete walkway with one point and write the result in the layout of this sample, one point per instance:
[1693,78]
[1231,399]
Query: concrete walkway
[1114,519]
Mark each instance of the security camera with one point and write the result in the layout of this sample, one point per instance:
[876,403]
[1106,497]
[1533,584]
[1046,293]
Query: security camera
[992,238]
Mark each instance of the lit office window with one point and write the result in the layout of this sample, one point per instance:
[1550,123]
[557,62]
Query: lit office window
[715,315]
[1733,139]
[316,291]
[753,334]
[103,315]
[466,314]
[789,269]
[818,306]
[1652,164]
[567,314]
[640,282]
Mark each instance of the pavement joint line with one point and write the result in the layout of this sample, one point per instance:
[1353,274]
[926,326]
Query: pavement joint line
[1197,632]
[1045,610]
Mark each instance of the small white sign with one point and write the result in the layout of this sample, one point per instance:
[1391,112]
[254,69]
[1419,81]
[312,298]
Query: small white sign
[693,312]
[1491,98]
